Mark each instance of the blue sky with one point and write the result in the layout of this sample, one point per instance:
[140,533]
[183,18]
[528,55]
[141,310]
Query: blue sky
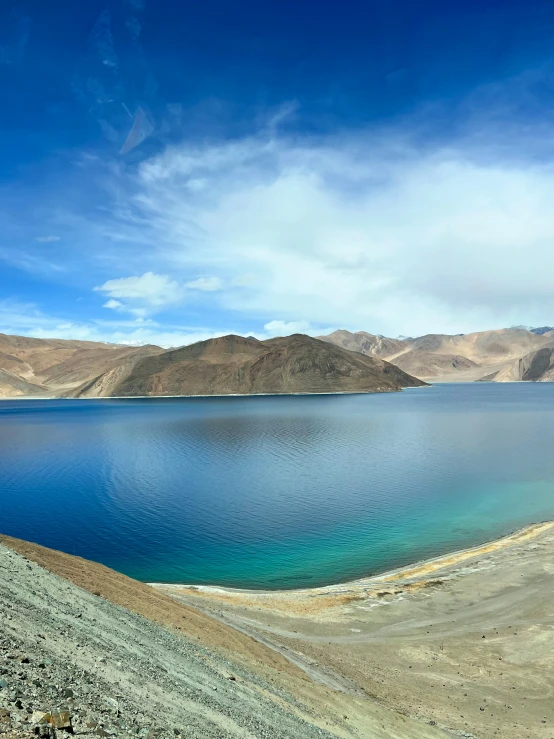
[175,171]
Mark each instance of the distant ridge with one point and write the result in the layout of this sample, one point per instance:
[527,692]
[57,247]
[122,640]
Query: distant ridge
[484,355]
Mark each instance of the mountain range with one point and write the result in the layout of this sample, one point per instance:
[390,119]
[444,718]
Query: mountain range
[339,362]
[223,366]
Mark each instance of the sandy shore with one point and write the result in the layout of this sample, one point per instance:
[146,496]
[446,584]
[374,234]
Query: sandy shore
[465,640]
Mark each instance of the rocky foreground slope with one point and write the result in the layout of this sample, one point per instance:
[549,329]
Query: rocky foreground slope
[238,365]
[96,654]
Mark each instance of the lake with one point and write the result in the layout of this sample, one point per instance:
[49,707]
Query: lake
[277,491]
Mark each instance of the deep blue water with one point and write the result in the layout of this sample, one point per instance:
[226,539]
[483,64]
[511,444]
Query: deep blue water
[277,491]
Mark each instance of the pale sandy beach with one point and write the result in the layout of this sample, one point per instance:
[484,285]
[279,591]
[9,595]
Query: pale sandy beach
[465,640]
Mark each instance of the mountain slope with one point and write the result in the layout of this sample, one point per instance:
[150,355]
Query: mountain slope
[238,365]
[420,363]
[13,386]
[49,366]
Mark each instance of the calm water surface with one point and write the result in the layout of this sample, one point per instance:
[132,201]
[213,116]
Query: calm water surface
[277,492]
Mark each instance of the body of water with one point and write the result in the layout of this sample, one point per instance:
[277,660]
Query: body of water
[277,492]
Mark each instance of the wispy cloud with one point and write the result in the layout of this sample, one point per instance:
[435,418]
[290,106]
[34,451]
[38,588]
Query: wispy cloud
[47,239]
[388,230]
[29,262]
[205,284]
[373,232]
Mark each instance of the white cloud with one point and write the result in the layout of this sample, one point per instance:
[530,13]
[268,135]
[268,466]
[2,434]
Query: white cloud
[47,239]
[113,304]
[205,284]
[285,328]
[370,230]
[365,232]
[149,291]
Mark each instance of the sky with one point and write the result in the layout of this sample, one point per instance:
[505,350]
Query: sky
[170,172]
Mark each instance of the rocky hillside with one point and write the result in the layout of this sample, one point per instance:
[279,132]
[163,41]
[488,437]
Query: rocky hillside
[536,366]
[87,651]
[463,357]
[46,367]
[238,365]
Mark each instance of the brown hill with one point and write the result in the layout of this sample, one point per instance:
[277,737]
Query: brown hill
[237,365]
[51,366]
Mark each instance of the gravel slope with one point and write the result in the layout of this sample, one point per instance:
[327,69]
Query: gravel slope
[128,675]
[117,673]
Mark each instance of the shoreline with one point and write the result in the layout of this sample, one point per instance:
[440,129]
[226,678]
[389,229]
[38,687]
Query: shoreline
[214,395]
[463,641]
[415,570]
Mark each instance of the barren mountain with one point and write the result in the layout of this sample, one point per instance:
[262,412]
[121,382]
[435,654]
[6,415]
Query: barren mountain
[51,366]
[237,365]
[461,357]
[484,347]
[234,364]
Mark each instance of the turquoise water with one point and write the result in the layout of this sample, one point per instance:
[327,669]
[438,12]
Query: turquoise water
[277,492]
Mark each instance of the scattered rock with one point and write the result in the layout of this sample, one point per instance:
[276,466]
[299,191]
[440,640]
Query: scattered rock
[61,720]
[111,703]
[40,717]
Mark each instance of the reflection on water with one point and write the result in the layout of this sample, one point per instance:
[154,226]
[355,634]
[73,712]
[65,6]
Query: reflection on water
[276,491]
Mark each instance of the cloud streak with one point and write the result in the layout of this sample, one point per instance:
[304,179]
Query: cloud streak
[47,239]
